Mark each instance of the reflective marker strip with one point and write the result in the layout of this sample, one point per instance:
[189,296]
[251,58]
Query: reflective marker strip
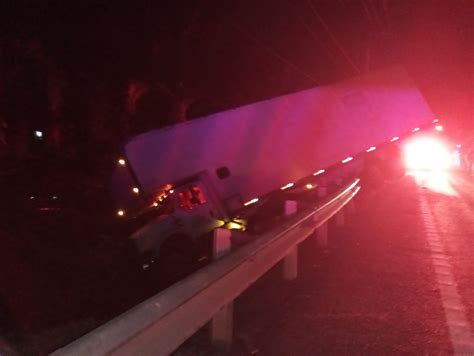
[289,185]
[459,328]
[251,201]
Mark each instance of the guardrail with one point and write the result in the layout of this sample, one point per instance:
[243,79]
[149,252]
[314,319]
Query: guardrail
[162,323]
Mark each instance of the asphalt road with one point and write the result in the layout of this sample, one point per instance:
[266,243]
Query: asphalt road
[397,279]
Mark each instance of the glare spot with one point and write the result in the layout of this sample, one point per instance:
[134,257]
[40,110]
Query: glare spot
[121,161]
[136,190]
[145,266]
[254,200]
[427,154]
[373,148]
[39,134]
[439,128]
[120,213]
[348,159]
[396,138]
[321,171]
[32,197]
[234,226]
[289,185]
[415,129]
[309,186]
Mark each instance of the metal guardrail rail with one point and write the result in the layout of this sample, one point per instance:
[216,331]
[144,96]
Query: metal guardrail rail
[162,323]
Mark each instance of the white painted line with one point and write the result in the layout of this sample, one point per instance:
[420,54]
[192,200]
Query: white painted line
[460,332]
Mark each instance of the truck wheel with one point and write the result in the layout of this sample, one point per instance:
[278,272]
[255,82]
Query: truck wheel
[177,258]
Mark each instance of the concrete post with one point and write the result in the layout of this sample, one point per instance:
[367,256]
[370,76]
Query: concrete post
[222,328]
[221,243]
[291,207]
[322,231]
[290,262]
[222,321]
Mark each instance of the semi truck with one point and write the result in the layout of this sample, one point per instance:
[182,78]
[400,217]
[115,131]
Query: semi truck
[72,230]
[183,181]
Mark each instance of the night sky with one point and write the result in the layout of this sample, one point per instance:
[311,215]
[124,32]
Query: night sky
[88,71]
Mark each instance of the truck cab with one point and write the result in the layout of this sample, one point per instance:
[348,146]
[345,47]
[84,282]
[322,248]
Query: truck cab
[186,212]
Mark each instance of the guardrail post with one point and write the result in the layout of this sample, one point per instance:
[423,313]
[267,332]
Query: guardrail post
[222,327]
[221,243]
[222,321]
[322,231]
[290,262]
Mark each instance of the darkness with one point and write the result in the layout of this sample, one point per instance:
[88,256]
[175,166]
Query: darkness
[90,74]
[91,71]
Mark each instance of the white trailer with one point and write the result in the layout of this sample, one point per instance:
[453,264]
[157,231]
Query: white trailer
[232,158]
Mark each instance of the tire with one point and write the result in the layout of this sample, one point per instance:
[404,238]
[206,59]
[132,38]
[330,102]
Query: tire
[177,259]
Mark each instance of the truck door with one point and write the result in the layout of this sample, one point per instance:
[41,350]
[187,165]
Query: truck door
[195,210]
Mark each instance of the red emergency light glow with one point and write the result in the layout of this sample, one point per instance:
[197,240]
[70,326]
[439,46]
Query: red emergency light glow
[254,200]
[289,185]
[396,138]
[348,159]
[321,171]
[373,148]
